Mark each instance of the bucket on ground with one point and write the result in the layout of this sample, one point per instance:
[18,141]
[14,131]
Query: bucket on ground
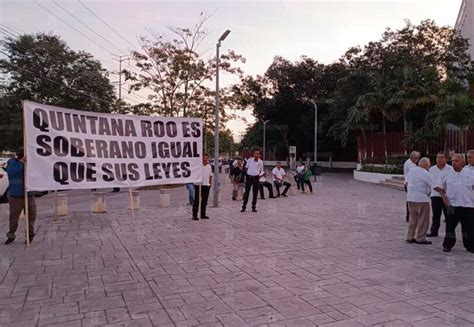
[62,205]
[100,204]
[164,198]
[134,201]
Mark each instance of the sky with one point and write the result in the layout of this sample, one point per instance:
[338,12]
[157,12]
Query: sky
[260,30]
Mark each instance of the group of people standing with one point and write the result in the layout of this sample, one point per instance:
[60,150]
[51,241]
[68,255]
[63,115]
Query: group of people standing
[247,176]
[250,175]
[450,191]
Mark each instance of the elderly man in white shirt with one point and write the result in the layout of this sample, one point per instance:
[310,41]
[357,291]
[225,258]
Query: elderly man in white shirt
[419,187]
[254,169]
[470,160]
[410,163]
[459,187]
[437,172]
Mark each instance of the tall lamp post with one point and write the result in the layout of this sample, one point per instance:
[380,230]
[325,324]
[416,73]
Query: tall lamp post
[216,131]
[315,137]
[264,126]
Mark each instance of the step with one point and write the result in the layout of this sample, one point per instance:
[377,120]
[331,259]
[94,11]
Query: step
[395,181]
[392,184]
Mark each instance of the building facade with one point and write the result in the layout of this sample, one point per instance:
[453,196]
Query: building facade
[465,23]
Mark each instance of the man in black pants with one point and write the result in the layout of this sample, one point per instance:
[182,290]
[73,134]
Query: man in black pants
[254,168]
[203,187]
[279,179]
[264,183]
[437,172]
[459,187]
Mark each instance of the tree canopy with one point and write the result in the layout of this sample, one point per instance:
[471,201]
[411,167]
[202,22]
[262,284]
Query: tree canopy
[412,79]
[179,75]
[44,69]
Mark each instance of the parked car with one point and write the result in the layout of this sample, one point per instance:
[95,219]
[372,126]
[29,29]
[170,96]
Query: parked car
[3,181]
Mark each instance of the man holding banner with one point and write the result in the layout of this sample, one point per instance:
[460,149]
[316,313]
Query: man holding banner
[16,197]
[201,190]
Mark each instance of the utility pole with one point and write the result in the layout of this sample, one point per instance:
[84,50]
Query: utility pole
[216,129]
[315,137]
[264,126]
[120,60]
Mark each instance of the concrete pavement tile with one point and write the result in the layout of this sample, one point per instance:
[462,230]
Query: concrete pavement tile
[243,301]
[117,315]
[292,307]
[231,320]
[343,323]
[101,304]
[193,311]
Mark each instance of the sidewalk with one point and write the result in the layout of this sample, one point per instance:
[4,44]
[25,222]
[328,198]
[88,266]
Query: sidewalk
[335,258]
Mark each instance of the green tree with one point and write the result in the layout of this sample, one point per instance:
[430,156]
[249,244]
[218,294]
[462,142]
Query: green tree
[226,142]
[179,76]
[410,65]
[44,69]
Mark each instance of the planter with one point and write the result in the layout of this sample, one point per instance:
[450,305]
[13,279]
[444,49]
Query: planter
[373,177]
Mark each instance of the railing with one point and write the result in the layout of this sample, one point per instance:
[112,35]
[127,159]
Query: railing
[378,144]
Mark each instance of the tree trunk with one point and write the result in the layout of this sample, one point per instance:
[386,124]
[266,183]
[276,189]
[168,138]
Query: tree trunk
[384,138]
[404,121]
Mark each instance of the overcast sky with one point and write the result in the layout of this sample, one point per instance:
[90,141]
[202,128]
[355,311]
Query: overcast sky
[323,30]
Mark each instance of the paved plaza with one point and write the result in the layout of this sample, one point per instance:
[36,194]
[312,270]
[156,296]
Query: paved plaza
[335,258]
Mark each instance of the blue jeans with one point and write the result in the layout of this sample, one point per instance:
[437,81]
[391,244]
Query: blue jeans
[190,188]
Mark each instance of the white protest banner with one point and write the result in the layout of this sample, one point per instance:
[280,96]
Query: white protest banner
[72,149]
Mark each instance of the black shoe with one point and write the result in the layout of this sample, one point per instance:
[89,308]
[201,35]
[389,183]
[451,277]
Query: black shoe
[411,241]
[195,218]
[254,210]
[424,242]
[446,250]
[431,235]
[284,195]
[262,198]
[204,217]
[234,199]
[243,210]
[9,240]
[273,197]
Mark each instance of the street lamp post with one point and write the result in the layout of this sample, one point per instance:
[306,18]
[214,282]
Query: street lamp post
[216,131]
[315,137]
[264,126]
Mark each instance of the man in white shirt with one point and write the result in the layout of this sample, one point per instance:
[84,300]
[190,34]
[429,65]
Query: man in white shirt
[419,188]
[254,168]
[470,160]
[459,186]
[202,187]
[299,175]
[279,179]
[409,164]
[437,172]
[264,183]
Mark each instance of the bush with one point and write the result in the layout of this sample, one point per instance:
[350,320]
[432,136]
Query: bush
[397,160]
[392,170]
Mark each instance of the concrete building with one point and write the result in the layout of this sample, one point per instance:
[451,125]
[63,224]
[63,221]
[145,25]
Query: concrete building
[465,22]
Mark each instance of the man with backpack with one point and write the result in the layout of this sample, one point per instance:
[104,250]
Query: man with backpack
[237,177]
